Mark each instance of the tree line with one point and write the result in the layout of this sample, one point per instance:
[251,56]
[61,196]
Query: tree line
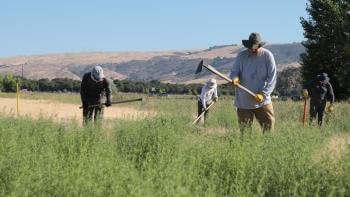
[288,85]
[8,84]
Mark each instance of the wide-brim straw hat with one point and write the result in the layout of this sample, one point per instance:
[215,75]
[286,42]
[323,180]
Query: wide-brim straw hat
[254,41]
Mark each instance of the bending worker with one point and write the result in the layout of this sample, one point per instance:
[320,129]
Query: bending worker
[255,69]
[320,90]
[93,86]
[208,95]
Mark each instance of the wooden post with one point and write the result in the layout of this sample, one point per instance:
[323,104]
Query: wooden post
[17,98]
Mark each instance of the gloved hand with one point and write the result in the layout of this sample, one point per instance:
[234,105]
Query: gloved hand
[215,99]
[305,93]
[235,81]
[108,103]
[259,97]
[330,108]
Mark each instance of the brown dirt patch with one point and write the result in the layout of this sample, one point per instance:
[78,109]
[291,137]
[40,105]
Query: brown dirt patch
[62,112]
[334,148]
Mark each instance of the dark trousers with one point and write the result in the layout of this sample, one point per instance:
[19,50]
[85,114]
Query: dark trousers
[201,110]
[317,107]
[95,113]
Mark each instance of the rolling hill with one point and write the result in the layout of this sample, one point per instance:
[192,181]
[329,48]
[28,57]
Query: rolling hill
[167,66]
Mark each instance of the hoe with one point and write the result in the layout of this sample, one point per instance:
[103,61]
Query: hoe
[213,70]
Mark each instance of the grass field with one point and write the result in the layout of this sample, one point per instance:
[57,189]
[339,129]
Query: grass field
[164,155]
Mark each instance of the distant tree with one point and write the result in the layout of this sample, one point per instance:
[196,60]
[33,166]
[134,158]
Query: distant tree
[45,85]
[288,83]
[9,83]
[327,31]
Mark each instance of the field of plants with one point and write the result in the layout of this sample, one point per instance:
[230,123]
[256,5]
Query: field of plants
[165,155]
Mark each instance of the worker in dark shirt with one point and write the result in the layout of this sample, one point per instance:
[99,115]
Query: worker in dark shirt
[320,90]
[93,86]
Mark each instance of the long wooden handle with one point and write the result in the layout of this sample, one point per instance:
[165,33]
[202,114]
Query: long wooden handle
[247,90]
[304,115]
[116,102]
[201,115]
[213,70]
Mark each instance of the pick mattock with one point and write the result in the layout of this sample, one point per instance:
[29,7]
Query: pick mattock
[202,114]
[213,70]
[116,102]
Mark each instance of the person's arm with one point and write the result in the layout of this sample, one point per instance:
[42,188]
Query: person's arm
[271,75]
[306,88]
[203,100]
[331,93]
[83,91]
[235,68]
[216,94]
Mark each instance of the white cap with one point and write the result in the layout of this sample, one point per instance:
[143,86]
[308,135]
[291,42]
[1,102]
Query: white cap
[211,83]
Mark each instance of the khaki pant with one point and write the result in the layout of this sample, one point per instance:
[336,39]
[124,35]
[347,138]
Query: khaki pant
[264,115]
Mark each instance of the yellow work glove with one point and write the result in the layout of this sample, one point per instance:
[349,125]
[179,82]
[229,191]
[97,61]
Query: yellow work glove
[235,81]
[305,93]
[259,97]
[330,108]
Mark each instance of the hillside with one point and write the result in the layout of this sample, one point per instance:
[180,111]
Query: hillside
[169,66]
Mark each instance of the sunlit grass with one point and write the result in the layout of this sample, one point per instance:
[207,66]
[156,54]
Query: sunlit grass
[168,156]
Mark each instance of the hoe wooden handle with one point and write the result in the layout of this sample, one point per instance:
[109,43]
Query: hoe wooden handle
[116,102]
[304,115]
[213,70]
[201,115]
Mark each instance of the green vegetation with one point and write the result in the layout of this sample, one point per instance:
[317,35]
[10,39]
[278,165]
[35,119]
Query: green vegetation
[167,156]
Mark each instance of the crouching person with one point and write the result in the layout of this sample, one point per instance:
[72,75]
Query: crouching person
[93,86]
[208,95]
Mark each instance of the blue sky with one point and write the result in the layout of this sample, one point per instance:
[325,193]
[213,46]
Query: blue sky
[31,27]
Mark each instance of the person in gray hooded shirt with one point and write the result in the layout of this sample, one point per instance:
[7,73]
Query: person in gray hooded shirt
[320,91]
[255,69]
[93,86]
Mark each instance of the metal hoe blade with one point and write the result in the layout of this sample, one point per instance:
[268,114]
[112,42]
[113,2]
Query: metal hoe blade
[199,68]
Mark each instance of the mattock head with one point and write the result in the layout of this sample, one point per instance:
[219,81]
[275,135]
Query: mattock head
[199,68]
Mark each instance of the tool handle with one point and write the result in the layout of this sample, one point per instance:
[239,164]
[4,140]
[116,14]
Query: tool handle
[201,115]
[213,70]
[246,89]
[116,102]
[304,115]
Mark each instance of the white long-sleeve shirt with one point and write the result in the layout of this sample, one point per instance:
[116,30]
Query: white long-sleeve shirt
[207,95]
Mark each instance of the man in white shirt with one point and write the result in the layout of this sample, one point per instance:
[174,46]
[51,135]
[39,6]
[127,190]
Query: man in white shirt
[208,95]
[255,69]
